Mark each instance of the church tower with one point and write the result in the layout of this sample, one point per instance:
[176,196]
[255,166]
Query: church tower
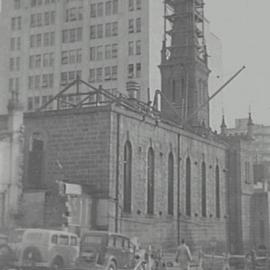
[184,69]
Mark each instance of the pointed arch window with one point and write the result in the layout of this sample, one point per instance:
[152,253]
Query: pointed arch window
[127,193]
[188,187]
[150,181]
[170,184]
[35,161]
[203,195]
[183,89]
[173,90]
[217,192]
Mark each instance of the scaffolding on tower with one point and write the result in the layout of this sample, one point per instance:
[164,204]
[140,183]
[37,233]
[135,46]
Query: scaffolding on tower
[190,13]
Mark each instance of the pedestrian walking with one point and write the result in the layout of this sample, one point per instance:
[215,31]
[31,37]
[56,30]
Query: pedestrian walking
[183,256]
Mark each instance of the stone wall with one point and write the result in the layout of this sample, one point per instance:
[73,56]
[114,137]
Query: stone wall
[163,138]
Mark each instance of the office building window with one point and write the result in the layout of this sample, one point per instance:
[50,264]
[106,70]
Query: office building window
[92,53]
[16,23]
[72,35]
[138,70]
[99,53]
[47,81]
[15,43]
[130,5]
[100,9]
[108,8]
[99,74]
[108,29]
[74,14]
[69,76]
[100,31]
[14,85]
[114,50]
[17,4]
[107,73]
[108,51]
[14,63]
[139,4]
[130,48]
[93,31]
[127,192]
[93,10]
[138,47]
[30,104]
[131,25]
[114,72]
[114,28]
[92,75]
[115,6]
[35,3]
[130,71]
[138,25]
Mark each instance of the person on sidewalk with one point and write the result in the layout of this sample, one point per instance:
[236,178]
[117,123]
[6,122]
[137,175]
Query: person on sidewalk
[183,256]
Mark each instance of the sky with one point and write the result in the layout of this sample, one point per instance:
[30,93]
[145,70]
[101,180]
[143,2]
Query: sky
[243,27]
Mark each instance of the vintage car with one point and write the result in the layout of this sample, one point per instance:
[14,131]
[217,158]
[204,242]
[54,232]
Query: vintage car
[44,248]
[6,254]
[105,250]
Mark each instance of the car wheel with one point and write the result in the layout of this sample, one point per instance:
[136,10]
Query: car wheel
[112,266]
[57,264]
[32,254]
[6,256]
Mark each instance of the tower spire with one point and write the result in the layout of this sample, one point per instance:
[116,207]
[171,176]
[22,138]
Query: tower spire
[184,70]
[223,126]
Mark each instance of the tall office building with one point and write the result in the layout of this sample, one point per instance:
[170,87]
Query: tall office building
[48,43]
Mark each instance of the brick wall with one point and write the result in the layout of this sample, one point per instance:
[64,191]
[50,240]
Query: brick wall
[78,140]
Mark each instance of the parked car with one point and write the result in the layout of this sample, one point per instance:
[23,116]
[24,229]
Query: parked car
[44,248]
[105,250]
[237,262]
[6,254]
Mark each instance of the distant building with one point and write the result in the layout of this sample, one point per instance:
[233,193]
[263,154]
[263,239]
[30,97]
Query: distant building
[261,135]
[48,43]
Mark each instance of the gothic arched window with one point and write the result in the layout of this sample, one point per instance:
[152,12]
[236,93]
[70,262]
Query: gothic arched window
[217,192]
[150,181]
[203,189]
[173,90]
[170,184]
[127,194]
[35,161]
[188,187]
